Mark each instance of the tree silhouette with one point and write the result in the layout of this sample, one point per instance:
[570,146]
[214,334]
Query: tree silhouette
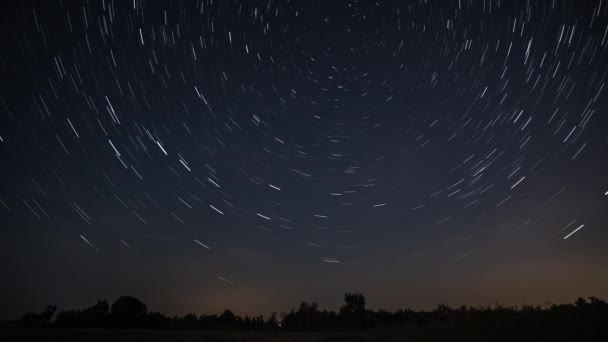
[157,320]
[583,320]
[228,319]
[128,311]
[31,319]
[93,317]
[272,321]
[353,313]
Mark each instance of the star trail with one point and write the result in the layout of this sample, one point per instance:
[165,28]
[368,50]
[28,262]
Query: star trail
[252,154]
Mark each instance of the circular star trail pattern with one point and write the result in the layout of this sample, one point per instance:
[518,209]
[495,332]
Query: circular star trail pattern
[216,151]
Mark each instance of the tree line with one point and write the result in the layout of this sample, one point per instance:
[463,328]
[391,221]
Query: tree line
[588,316]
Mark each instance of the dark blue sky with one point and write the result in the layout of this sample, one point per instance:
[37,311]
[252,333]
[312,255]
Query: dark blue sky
[253,154]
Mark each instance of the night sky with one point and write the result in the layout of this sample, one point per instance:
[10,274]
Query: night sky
[203,155]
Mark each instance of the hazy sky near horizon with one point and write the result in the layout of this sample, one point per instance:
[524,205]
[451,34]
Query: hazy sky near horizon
[207,154]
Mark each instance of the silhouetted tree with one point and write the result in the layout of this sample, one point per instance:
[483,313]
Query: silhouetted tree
[353,314]
[228,320]
[190,321]
[95,316]
[584,320]
[42,319]
[128,311]
[273,321]
[156,320]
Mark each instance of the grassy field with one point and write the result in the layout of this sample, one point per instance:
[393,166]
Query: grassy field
[91,335]
[414,334]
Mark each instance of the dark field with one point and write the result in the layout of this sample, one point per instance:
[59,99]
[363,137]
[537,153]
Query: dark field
[129,320]
[191,336]
[407,334]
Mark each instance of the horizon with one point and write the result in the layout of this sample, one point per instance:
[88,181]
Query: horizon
[321,307]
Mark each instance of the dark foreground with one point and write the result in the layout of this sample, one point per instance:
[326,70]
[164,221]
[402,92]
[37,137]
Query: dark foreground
[585,320]
[410,334]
